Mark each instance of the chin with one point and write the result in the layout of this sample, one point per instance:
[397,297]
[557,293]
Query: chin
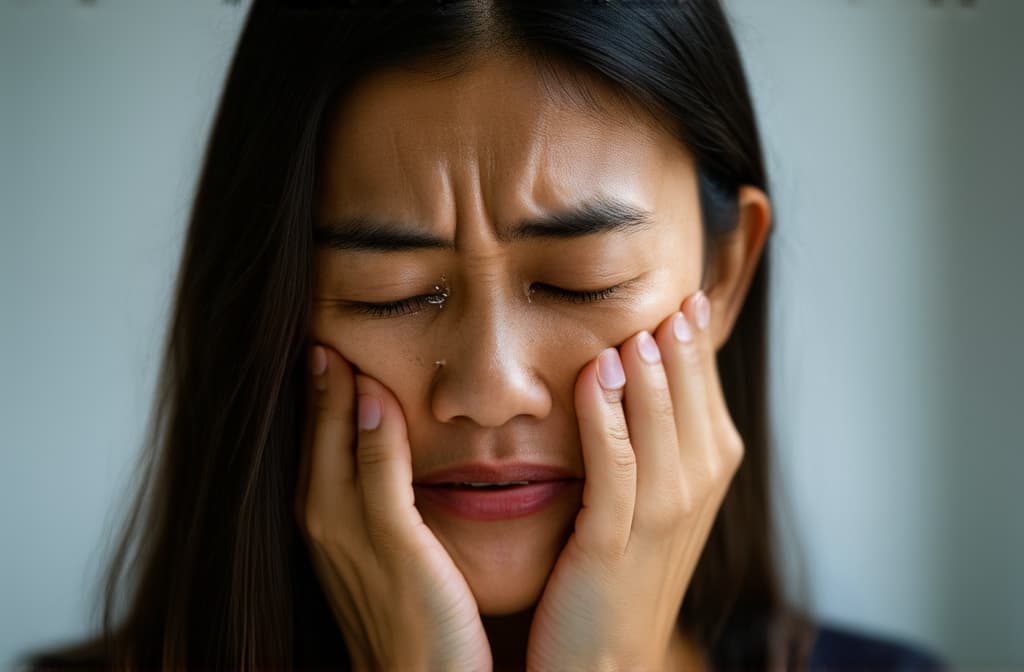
[499,593]
[506,563]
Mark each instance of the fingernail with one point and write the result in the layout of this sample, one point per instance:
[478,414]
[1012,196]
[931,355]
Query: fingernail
[648,348]
[369,412]
[703,310]
[681,329]
[609,370]
[317,360]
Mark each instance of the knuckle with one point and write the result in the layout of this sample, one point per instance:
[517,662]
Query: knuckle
[716,470]
[618,434]
[624,462]
[619,442]
[318,526]
[717,467]
[733,448]
[618,431]
[612,397]
[372,454]
[663,407]
[381,537]
[314,526]
[703,474]
[327,408]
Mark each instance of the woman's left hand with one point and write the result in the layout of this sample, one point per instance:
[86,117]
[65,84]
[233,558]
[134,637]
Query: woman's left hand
[659,451]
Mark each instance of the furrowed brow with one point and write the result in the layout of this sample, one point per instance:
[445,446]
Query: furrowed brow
[597,216]
[593,217]
[370,234]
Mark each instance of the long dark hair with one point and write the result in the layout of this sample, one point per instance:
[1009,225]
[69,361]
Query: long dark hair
[211,570]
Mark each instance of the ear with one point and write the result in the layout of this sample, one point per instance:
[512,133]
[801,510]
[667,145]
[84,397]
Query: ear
[733,264]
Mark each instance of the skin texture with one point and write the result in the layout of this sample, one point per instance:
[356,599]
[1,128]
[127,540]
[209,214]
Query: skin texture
[463,157]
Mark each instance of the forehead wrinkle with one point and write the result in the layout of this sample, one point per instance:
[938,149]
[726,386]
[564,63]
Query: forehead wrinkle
[546,175]
[512,178]
[513,171]
[469,203]
[492,156]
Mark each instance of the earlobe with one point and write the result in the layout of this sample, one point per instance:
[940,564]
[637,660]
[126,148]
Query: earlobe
[735,260]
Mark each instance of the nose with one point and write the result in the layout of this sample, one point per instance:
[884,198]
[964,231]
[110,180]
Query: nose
[488,377]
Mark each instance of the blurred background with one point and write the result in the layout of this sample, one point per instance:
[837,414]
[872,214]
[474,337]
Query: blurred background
[895,144]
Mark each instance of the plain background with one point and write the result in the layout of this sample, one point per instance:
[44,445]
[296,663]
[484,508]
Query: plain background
[893,130]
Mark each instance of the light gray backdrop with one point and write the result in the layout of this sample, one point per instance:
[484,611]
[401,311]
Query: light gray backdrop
[894,137]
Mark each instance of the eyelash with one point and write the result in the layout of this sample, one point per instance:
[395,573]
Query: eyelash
[410,305]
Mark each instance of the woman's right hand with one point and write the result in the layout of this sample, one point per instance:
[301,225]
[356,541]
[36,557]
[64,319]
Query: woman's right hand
[399,599]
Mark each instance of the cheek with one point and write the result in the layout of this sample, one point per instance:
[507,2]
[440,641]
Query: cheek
[389,355]
[663,292]
[670,286]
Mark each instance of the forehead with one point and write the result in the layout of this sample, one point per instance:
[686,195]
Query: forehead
[503,134]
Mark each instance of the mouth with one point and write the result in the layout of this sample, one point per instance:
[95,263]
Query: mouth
[484,485]
[485,501]
[488,492]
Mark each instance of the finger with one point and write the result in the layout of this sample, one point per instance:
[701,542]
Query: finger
[652,430]
[383,462]
[331,465]
[727,439]
[698,309]
[682,348]
[609,489]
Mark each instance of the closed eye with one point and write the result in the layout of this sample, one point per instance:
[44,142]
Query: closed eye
[572,296]
[414,304]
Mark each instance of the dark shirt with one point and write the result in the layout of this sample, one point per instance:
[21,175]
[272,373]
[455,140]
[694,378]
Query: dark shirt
[838,648]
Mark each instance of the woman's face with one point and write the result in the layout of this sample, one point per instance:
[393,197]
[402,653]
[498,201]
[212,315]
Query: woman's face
[455,167]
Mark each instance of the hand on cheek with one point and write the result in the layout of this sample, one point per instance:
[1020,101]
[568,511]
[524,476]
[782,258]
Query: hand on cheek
[397,596]
[659,451]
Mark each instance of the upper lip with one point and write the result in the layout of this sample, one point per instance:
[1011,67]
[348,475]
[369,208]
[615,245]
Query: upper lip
[482,472]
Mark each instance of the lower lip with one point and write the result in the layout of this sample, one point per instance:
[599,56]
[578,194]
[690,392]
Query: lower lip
[515,502]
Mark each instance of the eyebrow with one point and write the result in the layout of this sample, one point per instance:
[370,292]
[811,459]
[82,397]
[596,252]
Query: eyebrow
[597,216]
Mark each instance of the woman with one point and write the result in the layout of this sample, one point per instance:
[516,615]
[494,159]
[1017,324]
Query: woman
[467,363]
